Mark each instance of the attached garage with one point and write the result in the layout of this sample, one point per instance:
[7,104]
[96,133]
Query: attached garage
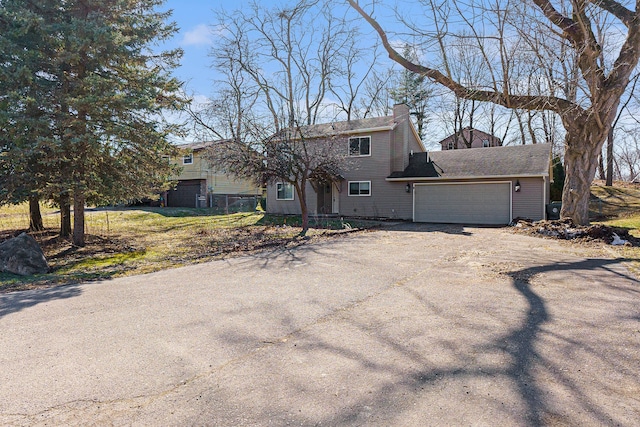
[489,186]
[463,202]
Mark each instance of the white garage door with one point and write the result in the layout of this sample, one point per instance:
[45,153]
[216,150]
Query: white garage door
[463,203]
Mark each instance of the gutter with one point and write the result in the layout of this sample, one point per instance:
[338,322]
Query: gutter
[351,132]
[441,178]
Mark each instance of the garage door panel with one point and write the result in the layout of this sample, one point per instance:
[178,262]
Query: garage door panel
[184,195]
[476,203]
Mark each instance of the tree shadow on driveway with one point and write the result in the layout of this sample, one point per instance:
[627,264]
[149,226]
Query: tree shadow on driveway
[539,368]
[525,359]
[14,302]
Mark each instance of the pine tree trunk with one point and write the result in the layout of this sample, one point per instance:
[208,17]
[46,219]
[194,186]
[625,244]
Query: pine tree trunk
[78,218]
[65,215]
[35,216]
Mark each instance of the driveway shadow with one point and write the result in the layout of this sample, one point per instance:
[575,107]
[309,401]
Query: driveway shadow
[523,353]
[422,227]
[14,302]
[520,344]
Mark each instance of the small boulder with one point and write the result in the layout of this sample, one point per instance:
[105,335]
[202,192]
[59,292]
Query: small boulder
[22,255]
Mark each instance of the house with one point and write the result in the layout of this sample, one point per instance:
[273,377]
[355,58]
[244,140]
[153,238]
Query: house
[479,185]
[392,176]
[476,138]
[375,147]
[199,185]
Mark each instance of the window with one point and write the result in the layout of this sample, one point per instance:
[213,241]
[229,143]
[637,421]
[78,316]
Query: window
[359,188]
[450,145]
[284,191]
[360,146]
[485,143]
[188,159]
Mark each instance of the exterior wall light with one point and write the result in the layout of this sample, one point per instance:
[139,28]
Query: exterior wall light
[517,187]
[407,188]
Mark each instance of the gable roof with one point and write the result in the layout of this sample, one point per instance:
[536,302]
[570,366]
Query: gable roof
[477,134]
[373,124]
[507,161]
[197,146]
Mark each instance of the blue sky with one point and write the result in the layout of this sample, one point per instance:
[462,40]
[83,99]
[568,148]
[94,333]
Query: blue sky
[194,17]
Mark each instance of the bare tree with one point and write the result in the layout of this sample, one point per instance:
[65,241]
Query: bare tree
[377,95]
[291,156]
[587,118]
[280,64]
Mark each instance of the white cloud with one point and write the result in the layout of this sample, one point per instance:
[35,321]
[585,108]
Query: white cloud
[200,35]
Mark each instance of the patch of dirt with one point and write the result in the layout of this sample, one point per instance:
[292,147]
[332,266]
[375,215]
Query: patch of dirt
[565,229]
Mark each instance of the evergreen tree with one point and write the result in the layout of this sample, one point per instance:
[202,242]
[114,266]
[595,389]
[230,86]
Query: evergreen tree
[26,118]
[413,90]
[106,140]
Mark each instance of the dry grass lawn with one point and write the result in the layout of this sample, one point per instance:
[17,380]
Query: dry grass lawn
[141,240]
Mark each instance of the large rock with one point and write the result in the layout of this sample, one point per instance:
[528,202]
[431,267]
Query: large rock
[22,255]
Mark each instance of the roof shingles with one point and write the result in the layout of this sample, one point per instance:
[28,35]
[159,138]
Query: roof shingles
[516,160]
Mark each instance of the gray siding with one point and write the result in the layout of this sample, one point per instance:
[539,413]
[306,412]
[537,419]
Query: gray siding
[286,207]
[529,202]
[387,199]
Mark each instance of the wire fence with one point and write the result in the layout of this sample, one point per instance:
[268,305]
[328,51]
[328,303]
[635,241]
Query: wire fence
[226,204]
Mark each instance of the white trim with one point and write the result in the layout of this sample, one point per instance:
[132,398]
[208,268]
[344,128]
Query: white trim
[349,132]
[293,193]
[357,195]
[544,199]
[457,178]
[190,155]
[359,155]
[367,130]
[465,183]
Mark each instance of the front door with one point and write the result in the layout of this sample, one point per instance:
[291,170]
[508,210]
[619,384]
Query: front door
[335,199]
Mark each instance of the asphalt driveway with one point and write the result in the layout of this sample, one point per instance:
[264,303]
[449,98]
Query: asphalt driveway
[414,326]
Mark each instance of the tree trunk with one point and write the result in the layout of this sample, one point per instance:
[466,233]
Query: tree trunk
[35,216]
[581,162]
[601,168]
[65,215]
[304,210]
[609,182]
[78,218]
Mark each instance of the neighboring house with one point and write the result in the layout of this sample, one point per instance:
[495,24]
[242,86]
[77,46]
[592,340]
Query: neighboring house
[375,147]
[479,185]
[199,185]
[392,176]
[475,137]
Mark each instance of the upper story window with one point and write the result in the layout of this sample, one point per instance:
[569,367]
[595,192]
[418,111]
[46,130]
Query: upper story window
[360,146]
[485,143]
[450,145]
[188,159]
[284,191]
